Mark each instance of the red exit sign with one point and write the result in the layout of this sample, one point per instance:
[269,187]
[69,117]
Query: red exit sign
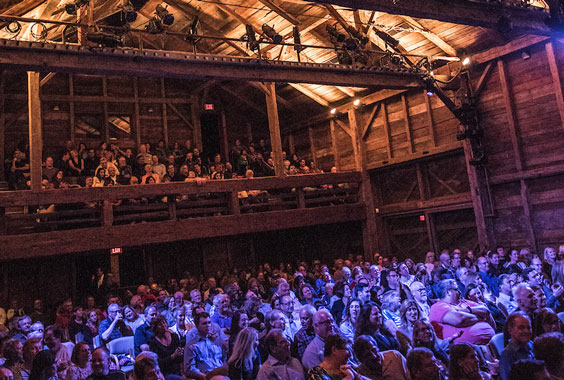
[116,251]
[208,107]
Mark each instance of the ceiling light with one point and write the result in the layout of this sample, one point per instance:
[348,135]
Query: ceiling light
[466,61]
[333,111]
[356,102]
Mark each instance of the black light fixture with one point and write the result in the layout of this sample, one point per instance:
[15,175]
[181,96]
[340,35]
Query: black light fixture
[128,12]
[251,38]
[297,39]
[154,26]
[271,33]
[430,86]
[334,34]
[389,40]
[164,15]
[359,36]
[71,8]
[104,39]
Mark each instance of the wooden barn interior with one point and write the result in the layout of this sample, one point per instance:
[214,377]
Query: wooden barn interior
[445,122]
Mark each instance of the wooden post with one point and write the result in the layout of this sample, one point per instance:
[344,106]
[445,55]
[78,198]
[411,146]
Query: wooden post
[336,157]
[107,213]
[137,118]
[274,127]
[165,118]
[249,133]
[114,267]
[3,225]
[369,227]
[291,144]
[387,130]
[224,136]
[430,119]
[196,112]
[35,138]
[71,109]
[312,146]
[301,197]
[171,202]
[557,82]
[233,202]
[407,122]
[2,124]
[105,94]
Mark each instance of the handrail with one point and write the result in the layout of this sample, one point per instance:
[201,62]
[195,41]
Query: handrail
[75,195]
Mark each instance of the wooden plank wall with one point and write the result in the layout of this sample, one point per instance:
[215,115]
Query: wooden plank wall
[522,110]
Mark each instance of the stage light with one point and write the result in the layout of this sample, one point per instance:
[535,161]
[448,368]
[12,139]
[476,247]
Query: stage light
[154,26]
[71,8]
[333,111]
[335,34]
[297,39]
[251,38]
[271,33]
[466,61]
[164,15]
[128,12]
[359,36]
[389,40]
[430,86]
[356,102]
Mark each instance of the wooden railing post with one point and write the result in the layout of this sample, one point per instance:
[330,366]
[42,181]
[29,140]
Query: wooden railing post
[3,227]
[35,129]
[301,197]
[171,202]
[107,214]
[234,207]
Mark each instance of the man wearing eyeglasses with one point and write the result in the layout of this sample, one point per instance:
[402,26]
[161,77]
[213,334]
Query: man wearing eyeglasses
[419,293]
[323,325]
[451,316]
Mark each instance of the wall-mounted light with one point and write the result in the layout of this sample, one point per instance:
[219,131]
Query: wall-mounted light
[356,102]
[466,61]
[333,111]
[525,55]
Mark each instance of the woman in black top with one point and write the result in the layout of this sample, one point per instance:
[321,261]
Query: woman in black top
[371,322]
[244,363]
[166,346]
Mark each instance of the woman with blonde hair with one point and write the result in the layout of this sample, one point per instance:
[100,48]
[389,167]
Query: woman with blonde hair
[244,363]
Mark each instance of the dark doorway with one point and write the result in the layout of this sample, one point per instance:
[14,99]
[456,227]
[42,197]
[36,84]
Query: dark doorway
[210,134]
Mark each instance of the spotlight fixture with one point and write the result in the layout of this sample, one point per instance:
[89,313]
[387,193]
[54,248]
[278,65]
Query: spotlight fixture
[154,26]
[128,12]
[335,34]
[359,36]
[356,102]
[466,61]
[525,55]
[194,25]
[297,39]
[164,15]
[271,33]
[71,8]
[389,40]
[251,38]
[333,111]
[430,86]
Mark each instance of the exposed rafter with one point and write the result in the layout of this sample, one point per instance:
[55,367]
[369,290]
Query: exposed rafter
[444,46]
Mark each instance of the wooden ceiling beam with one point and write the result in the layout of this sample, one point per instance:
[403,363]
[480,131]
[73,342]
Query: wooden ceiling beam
[23,7]
[438,41]
[310,94]
[486,14]
[281,12]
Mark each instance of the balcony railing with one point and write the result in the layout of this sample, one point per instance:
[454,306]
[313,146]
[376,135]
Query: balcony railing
[27,214]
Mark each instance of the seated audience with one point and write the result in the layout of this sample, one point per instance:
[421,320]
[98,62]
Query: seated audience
[390,365]
[80,367]
[204,354]
[334,365]
[518,328]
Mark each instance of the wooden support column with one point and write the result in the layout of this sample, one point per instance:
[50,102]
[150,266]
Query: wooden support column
[430,119]
[312,146]
[107,213]
[274,127]
[137,117]
[165,118]
[114,267]
[369,226]
[481,201]
[387,130]
[105,94]
[196,112]
[335,150]
[71,109]
[2,125]
[291,144]
[171,203]
[233,202]
[249,133]
[35,132]
[517,150]
[224,135]
[556,80]
[407,123]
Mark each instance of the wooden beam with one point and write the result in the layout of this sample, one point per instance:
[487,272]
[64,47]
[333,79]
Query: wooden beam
[482,81]
[344,127]
[181,116]
[281,12]
[196,112]
[556,80]
[334,148]
[459,201]
[224,134]
[527,212]
[22,7]
[46,79]
[438,41]
[512,47]
[407,123]
[474,13]
[279,99]
[243,99]
[62,242]
[312,145]
[35,130]
[274,128]
[543,172]
[105,104]
[291,145]
[310,94]
[387,132]
[445,148]
[71,110]
[94,194]
[2,129]
[121,61]
[137,114]
[510,114]
[370,120]
[430,119]
[164,113]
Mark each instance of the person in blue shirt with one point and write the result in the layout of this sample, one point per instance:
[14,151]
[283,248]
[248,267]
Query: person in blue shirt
[110,328]
[520,347]
[222,315]
[144,333]
[204,353]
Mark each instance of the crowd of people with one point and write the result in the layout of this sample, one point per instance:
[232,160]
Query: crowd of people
[109,165]
[457,316]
